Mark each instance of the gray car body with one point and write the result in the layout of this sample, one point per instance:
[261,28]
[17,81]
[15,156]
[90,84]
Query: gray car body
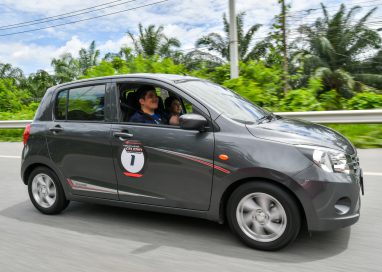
[184,174]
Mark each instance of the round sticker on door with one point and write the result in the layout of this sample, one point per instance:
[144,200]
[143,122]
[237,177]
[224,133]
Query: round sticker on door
[133,158]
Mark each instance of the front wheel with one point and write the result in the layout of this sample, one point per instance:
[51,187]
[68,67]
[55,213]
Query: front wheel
[263,216]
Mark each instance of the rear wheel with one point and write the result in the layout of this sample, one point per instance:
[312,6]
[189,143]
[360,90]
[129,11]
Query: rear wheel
[263,216]
[45,191]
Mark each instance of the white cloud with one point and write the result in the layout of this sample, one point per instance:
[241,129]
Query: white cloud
[28,57]
[31,57]
[72,47]
[114,45]
[50,7]
[186,36]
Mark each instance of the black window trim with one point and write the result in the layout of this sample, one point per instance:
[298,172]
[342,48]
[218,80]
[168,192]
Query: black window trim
[67,88]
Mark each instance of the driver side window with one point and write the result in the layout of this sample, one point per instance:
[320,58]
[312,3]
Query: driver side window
[152,105]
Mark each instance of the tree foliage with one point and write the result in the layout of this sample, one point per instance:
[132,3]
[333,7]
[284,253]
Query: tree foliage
[10,96]
[331,47]
[152,41]
[66,68]
[328,67]
[38,83]
[10,72]
[88,57]
[362,101]
[220,44]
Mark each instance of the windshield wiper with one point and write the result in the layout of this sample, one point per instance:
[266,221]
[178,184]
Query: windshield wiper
[268,117]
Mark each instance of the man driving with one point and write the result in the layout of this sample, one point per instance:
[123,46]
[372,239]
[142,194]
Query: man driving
[148,101]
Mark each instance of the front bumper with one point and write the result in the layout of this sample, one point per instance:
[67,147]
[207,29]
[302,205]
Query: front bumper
[332,201]
[326,224]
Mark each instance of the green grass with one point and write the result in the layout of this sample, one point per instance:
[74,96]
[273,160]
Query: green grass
[362,136]
[11,135]
[21,115]
[14,135]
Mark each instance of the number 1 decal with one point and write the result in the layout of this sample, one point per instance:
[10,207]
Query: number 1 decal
[133,157]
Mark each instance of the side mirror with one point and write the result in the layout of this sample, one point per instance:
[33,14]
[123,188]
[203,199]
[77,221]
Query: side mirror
[192,121]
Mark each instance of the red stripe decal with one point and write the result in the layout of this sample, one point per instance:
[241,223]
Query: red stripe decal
[132,142]
[205,163]
[76,186]
[132,175]
[222,169]
[70,183]
[197,160]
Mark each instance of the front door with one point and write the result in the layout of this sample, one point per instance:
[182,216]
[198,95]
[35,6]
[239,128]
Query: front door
[163,165]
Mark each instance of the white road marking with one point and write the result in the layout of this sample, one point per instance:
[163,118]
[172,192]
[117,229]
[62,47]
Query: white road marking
[10,157]
[372,174]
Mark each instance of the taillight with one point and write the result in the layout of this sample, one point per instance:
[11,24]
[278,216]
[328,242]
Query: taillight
[27,132]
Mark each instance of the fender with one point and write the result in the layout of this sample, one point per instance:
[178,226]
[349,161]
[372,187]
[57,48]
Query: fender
[33,161]
[223,187]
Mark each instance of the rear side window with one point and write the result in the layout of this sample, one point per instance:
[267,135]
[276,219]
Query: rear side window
[61,105]
[85,103]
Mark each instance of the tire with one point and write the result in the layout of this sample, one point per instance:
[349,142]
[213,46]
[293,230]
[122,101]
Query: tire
[46,192]
[263,216]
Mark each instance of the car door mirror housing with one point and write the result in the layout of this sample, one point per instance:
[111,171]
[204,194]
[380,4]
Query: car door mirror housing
[192,121]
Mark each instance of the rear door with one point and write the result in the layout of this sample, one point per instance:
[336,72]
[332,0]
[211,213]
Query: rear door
[164,165]
[79,139]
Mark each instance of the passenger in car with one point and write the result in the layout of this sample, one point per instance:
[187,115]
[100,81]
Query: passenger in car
[148,101]
[173,110]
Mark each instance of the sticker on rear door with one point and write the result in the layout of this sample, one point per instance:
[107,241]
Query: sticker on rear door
[133,158]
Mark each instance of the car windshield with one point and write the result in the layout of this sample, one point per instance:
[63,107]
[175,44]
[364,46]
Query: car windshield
[225,101]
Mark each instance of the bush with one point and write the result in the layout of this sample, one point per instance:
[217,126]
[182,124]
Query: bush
[251,90]
[300,100]
[330,100]
[257,82]
[154,64]
[10,96]
[267,78]
[11,135]
[367,100]
[103,69]
[218,75]
[26,114]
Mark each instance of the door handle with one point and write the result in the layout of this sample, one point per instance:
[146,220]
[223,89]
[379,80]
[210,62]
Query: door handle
[56,129]
[123,135]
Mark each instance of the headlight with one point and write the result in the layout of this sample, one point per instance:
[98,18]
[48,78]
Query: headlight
[329,160]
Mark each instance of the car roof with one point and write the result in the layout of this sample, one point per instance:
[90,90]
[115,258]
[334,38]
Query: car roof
[171,78]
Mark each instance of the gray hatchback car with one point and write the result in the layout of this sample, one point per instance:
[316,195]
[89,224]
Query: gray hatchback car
[226,160]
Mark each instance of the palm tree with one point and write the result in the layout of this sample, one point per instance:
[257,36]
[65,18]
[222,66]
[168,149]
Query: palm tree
[88,57]
[219,44]
[369,70]
[333,45]
[151,41]
[8,71]
[124,53]
[66,68]
[196,60]
[38,83]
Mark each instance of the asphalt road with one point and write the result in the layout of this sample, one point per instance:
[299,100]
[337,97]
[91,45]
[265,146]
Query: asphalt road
[88,237]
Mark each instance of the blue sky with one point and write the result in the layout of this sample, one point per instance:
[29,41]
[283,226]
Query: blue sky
[185,20]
